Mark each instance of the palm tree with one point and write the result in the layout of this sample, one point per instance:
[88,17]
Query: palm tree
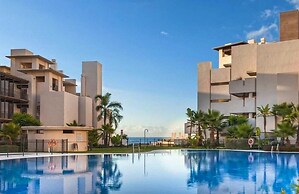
[10,131]
[294,117]
[285,129]
[107,130]
[109,112]
[115,118]
[215,123]
[199,118]
[191,119]
[264,111]
[74,123]
[275,112]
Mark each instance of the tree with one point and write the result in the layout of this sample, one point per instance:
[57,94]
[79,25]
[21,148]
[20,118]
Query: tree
[264,111]
[107,130]
[294,117]
[93,138]
[199,118]
[109,112]
[232,123]
[11,131]
[215,123]
[191,119]
[115,118]
[285,130]
[24,119]
[245,130]
[116,140]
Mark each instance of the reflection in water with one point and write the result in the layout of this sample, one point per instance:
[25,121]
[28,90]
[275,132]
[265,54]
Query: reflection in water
[174,172]
[241,172]
[109,176]
[66,174]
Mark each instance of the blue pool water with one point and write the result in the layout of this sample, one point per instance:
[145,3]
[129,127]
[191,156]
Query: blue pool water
[164,172]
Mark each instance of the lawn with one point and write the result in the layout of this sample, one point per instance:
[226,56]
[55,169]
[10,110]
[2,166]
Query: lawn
[129,149]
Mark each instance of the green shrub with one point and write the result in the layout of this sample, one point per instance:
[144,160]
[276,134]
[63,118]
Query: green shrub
[23,119]
[9,148]
[232,143]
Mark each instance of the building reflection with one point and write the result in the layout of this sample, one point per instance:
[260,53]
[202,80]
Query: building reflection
[66,174]
[241,172]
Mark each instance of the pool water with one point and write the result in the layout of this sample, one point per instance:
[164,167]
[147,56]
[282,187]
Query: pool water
[175,171]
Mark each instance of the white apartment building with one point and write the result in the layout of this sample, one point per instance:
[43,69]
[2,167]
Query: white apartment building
[251,74]
[50,96]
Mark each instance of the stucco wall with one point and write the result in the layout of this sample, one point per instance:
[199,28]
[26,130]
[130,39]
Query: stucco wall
[85,110]
[203,87]
[244,58]
[58,108]
[79,137]
[92,72]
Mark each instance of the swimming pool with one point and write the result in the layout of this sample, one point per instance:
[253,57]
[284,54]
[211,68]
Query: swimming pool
[175,171]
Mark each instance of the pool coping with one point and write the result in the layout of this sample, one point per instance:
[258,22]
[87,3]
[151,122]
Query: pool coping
[18,155]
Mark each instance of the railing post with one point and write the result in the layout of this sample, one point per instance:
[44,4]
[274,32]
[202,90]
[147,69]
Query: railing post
[36,146]
[43,145]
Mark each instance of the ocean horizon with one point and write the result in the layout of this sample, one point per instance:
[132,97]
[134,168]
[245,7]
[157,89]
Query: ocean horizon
[137,140]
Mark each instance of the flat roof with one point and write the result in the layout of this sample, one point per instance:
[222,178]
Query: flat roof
[57,128]
[68,83]
[44,70]
[28,56]
[229,45]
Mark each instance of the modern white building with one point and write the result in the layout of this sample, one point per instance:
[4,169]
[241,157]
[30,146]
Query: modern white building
[33,84]
[251,74]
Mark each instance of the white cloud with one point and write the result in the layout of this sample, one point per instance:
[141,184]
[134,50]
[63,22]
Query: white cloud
[269,13]
[295,3]
[264,31]
[164,33]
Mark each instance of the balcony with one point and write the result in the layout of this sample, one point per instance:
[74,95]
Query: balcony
[220,76]
[241,88]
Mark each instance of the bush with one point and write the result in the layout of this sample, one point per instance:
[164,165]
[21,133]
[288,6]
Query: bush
[23,119]
[116,140]
[9,148]
[236,143]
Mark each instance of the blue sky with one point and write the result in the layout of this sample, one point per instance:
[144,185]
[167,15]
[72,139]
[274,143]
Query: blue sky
[149,49]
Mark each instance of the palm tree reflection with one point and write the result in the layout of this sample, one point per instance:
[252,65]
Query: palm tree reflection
[217,170]
[109,176]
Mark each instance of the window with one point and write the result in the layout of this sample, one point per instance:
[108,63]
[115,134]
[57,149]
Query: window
[26,65]
[41,66]
[39,131]
[68,131]
[40,78]
[54,84]
[226,52]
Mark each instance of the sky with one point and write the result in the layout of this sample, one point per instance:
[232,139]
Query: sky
[149,49]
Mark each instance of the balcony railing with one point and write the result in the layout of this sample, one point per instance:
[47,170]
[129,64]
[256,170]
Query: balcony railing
[16,93]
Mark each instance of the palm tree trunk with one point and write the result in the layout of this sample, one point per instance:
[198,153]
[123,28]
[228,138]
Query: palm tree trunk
[297,140]
[275,121]
[217,137]
[190,130]
[265,125]
[199,136]
[212,136]
[288,141]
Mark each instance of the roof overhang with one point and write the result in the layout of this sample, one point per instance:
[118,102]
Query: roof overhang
[56,128]
[31,56]
[229,45]
[44,70]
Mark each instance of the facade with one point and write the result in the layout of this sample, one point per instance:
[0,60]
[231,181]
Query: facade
[251,74]
[34,85]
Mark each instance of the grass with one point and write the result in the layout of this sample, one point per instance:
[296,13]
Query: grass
[129,149]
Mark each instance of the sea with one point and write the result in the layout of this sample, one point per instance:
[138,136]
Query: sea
[142,140]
